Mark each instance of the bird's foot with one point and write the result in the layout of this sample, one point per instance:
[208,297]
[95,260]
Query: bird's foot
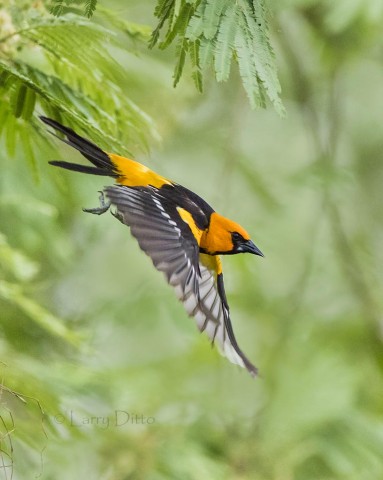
[117,215]
[104,207]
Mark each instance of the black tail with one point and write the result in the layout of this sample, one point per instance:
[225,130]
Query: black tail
[101,161]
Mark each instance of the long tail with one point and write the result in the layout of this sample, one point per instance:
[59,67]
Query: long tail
[101,161]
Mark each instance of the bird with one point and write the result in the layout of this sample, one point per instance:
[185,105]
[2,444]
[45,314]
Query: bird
[181,233]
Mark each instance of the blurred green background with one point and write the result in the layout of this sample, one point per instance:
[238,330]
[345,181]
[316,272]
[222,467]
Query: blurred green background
[89,330]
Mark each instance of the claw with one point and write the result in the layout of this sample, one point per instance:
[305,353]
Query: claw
[104,207]
[117,215]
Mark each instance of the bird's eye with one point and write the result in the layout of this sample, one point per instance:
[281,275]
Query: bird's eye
[236,236]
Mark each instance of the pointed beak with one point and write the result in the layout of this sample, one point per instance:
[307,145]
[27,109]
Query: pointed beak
[250,247]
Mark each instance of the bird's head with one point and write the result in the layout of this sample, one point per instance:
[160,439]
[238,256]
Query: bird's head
[243,244]
[226,237]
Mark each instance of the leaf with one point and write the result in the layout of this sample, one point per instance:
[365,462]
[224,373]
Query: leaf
[182,48]
[164,11]
[263,54]
[180,24]
[4,80]
[215,23]
[194,56]
[193,51]
[17,98]
[61,38]
[161,8]
[29,104]
[26,143]
[206,52]
[57,8]
[224,45]
[212,16]
[79,90]
[195,27]
[90,7]
[198,80]
[247,67]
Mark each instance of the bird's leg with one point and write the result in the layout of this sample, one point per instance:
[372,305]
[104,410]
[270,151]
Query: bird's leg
[104,207]
[118,215]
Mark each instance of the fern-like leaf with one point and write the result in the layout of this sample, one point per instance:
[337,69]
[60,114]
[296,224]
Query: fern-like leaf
[17,98]
[224,46]
[57,7]
[29,104]
[196,24]
[55,97]
[164,11]
[25,136]
[215,25]
[212,16]
[90,7]
[180,24]
[263,54]
[246,65]
[206,52]
[194,56]
[60,7]
[182,48]
[198,80]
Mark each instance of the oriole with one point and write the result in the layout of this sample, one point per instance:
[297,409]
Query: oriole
[180,232]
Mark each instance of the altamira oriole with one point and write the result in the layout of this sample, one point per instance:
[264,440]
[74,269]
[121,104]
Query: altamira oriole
[180,232]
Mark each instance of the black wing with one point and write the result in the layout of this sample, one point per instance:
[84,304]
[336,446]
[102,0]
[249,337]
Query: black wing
[163,235]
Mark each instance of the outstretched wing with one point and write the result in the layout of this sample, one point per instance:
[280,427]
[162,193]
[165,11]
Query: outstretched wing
[211,311]
[162,234]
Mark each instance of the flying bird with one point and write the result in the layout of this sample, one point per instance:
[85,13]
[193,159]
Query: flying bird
[177,229]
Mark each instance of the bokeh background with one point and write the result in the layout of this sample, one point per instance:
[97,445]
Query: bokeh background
[89,330]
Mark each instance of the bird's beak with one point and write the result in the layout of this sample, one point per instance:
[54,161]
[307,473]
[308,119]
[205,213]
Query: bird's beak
[250,247]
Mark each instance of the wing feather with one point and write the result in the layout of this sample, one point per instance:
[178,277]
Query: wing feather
[168,240]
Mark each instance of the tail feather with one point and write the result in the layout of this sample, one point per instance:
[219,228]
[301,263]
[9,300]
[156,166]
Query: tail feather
[101,161]
[76,167]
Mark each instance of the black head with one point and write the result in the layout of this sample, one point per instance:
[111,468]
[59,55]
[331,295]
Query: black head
[242,245]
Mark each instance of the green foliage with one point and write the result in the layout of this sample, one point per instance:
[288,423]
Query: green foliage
[90,7]
[59,7]
[78,66]
[21,271]
[89,327]
[227,30]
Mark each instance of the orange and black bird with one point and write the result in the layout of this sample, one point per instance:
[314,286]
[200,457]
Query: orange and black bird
[180,232]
